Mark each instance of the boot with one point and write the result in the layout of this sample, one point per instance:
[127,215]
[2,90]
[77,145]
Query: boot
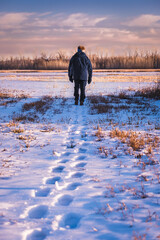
[81,103]
[76,102]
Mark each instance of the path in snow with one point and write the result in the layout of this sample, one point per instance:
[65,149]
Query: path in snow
[73,196]
[63,188]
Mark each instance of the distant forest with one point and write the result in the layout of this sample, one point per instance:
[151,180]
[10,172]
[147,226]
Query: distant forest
[147,60]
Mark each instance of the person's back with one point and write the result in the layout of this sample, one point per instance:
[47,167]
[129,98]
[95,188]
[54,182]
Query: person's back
[80,70]
[80,66]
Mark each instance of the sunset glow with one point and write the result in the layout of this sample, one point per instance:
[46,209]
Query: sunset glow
[31,27]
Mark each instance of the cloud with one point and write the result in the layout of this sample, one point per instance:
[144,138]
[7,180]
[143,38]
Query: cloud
[27,32]
[13,20]
[81,20]
[146,20]
[26,21]
[61,20]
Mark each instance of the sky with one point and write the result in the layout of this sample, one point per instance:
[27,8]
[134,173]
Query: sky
[115,27]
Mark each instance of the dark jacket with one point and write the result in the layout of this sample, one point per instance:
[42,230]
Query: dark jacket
[80,68]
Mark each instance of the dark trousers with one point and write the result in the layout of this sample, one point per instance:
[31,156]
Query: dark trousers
[81,84]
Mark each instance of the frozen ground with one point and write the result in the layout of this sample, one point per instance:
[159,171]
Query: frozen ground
[66,175]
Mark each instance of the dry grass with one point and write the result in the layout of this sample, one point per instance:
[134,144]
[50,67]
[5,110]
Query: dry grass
[5,94]
[139,193]
[17,130]
[99,133]
[12,124]
[41,105]
[103,150]
[32,109]
[26,138]
[25,118]
[136,60]
[150,92]
[108,108]
[157,127]
[100,108]
[142,163]
[48,129]
[8,102]
[113,104]
[97,99]
[136,236]
[10,97]
[71,144]
[135,140]
[123,95]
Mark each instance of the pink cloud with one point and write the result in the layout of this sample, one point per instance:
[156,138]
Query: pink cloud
[30,32]
[147,20]
[13,20]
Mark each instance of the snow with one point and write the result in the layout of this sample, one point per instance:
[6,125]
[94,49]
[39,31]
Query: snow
[56,183]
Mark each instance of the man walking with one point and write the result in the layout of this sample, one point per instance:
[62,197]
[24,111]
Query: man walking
[80,71]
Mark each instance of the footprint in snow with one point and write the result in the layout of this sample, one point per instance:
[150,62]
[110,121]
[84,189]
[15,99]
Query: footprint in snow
[5,178]
[73,186]
[65,200]
[38,212]
[82,150]
[53,180]
[37,235]
[70,220]
[81,165]
[106,236]
[67,154]
[81,157]
[85,144]
[58,169]
[64,161]
[42,192]
[77,175]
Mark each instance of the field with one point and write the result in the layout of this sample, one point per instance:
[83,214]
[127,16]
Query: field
[79,172]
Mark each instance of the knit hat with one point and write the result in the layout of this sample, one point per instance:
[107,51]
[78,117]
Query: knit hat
[82,48]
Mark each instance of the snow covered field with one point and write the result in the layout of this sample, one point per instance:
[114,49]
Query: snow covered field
[79,172]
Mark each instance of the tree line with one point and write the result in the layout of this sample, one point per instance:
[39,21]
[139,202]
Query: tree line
[147,60]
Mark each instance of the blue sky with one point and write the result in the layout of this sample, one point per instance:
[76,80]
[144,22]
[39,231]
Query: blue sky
[113,27]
